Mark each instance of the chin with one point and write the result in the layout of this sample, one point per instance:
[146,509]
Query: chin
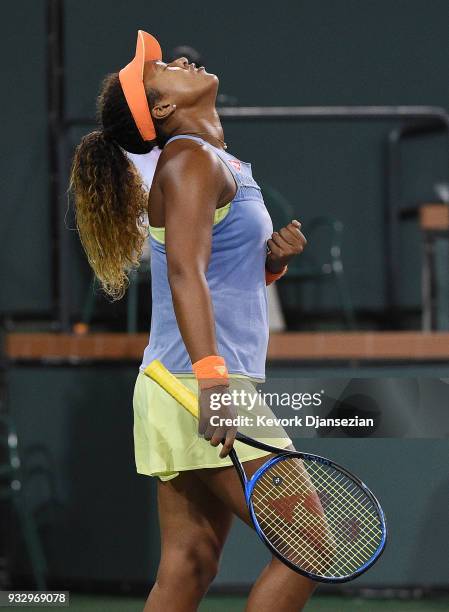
[210,83]
[209,75]
[213,79]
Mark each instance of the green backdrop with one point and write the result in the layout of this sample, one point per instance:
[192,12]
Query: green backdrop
[309,52]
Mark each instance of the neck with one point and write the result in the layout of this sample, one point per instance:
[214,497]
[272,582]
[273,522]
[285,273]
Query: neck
[208,125]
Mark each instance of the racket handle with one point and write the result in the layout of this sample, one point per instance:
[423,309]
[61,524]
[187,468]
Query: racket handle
[188,400]
[159,373]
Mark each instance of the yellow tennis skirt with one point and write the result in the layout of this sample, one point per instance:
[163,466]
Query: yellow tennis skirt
[166,439]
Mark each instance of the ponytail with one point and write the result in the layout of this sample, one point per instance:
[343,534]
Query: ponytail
[110,198]
[110,202]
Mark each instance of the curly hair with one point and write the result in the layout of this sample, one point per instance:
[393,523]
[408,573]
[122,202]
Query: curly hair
[110,197]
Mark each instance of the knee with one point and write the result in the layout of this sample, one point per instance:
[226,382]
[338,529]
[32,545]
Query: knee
[196,566]
[201,564]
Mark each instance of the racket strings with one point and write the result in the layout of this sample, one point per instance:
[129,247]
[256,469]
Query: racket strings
[358,503]
[311,540]
[320,533]
[283,533]
[309,546]
[316,517]
[340,531]
[284,536]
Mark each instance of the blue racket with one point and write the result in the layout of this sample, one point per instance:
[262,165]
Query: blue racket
[313,514]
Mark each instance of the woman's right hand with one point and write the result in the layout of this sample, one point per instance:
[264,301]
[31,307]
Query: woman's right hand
[212,407]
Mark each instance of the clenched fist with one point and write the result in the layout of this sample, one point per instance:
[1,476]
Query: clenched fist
[284,245]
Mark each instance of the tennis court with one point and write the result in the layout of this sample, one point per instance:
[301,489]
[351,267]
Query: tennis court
[237,604]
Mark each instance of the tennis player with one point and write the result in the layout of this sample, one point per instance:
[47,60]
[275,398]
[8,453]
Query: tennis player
[213,251]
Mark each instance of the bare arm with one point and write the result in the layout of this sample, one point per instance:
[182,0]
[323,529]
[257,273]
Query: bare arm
[191,183]
[191,189]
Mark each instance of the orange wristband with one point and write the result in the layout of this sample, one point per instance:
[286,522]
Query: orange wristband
[270,277]
[211,371]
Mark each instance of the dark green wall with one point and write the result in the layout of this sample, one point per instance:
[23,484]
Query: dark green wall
[76,442]
[310,52]
[25,248]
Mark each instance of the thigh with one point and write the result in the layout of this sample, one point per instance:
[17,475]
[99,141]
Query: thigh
[225,484]
[191,514]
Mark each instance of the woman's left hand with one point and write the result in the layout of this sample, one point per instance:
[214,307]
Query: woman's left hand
[284,245]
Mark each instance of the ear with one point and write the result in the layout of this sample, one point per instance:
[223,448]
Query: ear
[162,110]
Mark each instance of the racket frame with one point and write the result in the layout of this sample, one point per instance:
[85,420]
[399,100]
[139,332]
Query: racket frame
[248,485]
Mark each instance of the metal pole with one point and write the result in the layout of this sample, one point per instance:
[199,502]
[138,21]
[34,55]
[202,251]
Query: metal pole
[391,223]
[64,268]
[336,112]
[319,113]
[57,157]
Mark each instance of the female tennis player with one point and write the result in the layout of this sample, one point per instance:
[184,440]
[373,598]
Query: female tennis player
[213,251]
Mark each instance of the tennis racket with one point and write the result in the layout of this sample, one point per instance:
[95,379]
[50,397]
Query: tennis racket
[313,514]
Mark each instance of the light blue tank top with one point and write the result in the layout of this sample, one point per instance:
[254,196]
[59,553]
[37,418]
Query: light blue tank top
[236,280]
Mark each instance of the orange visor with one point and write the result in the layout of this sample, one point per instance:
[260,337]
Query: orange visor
[131,80]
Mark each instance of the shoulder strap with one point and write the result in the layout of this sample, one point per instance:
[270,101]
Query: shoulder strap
[188,137]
